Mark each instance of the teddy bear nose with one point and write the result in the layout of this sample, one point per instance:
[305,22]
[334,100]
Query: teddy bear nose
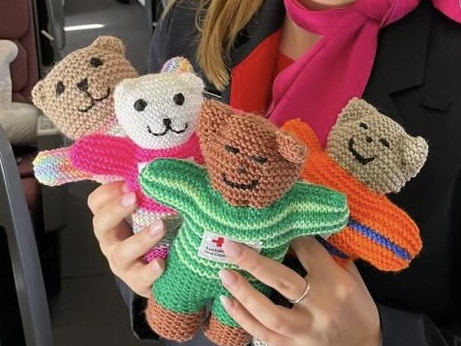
[369,139]
[242,170]
[167,122]
[83,85]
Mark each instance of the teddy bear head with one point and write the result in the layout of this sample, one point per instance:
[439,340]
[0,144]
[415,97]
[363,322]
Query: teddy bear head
[160,110]
[374,148]
[77,94]
[249,161]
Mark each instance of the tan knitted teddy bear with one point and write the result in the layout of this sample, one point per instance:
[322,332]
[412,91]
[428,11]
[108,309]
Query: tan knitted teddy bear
[367,156]
[77,95]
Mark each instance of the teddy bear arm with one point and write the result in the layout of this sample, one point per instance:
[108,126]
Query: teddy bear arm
[173,183]
[104,155]
[387,238]
[54,168]
[317,210]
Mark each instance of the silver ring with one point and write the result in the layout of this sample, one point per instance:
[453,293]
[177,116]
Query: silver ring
[305,293]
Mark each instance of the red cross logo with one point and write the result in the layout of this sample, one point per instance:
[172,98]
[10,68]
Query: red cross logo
[219,241]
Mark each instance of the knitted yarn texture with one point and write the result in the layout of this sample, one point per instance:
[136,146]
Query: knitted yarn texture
[158,112]
[248,192]
[378,231]
[77,95]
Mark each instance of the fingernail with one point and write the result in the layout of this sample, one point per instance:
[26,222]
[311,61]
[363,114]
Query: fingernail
[156,228]
[125,188]
[156,267]
[231,249]
[128,199]
[227,277]
[225,301]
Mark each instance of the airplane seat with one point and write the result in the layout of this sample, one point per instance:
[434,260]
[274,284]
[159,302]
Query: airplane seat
[24,313]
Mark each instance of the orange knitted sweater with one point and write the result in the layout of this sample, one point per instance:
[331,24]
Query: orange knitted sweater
[378,231]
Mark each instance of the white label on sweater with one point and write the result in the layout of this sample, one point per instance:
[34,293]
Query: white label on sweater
[211,247]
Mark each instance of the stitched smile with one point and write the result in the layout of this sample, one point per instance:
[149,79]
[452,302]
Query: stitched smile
[94,101]
[234,185]
[356,154]
[168,128]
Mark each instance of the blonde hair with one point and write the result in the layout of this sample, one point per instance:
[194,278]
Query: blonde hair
[219,29]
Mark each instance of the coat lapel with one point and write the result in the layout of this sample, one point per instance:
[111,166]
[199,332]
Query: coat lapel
[399,65]
[266,22]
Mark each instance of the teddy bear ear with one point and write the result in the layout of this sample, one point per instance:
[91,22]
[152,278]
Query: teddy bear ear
[356,109]
[177,64]
[38,94]
[110,43]
[214,115]
[290,148]
[414,155]
[192,81]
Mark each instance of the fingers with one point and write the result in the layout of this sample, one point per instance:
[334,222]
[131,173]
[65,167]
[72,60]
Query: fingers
[313,256]
[141,276]
[276,275]
[109,218]
[273,274]
[125,257]
[111,204]
[247,321]
[128,251]
[257,307]
[104,194]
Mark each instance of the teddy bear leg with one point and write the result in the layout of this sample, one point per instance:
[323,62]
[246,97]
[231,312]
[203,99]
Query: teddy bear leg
[165,322]
[224,335]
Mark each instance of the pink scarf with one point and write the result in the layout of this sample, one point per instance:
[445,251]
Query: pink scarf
[318,85]
[451,8]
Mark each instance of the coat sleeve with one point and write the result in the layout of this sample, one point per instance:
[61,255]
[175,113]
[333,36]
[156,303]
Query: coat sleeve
[401,328]
[175,35]
[157,50]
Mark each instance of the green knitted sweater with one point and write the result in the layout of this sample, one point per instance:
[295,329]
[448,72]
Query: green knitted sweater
[306,209]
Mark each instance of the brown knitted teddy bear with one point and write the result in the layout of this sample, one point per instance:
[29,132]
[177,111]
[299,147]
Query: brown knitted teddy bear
[77,95]
[249,192]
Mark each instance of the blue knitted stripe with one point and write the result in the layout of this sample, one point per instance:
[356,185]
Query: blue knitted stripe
[330,248]
[379,239]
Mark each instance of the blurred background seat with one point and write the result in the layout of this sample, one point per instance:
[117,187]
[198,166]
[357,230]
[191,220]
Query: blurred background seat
[24,314]
[21,23]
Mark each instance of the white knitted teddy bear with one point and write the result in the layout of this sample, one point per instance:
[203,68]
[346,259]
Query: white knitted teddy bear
[158,112]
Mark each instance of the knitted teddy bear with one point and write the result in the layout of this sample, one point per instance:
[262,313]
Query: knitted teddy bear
[367,155]
[18,119]
[158,112]
[77,95]
[248,192]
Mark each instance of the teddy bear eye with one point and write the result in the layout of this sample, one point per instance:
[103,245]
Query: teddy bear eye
[60,88]
[384,142]
[179,99]
[96,62]
[363,126]
[232,150]
[259,159]
[140,105]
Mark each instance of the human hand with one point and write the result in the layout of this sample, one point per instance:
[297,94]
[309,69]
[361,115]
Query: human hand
[337,310]
[111,204]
